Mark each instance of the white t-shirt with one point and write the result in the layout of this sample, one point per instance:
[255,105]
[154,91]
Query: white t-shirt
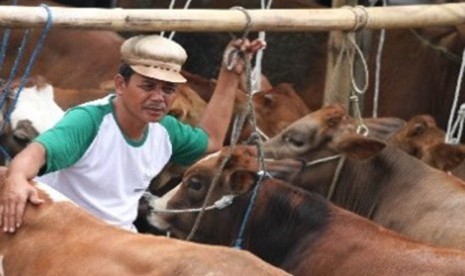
[93,163]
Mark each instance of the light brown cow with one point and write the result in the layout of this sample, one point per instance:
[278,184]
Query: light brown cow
[275,109]
[375,180]
[423,139]
[293,229]
[59,238]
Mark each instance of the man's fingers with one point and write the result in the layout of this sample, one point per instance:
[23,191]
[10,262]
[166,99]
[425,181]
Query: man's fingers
[10,217]
[1,215]
[19,214]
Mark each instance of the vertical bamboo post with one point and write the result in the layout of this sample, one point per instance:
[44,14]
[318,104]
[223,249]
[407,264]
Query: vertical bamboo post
[338,78]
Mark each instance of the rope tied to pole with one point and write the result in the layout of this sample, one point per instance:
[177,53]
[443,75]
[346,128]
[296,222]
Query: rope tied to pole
[452,127]
[6,89]
[361,17]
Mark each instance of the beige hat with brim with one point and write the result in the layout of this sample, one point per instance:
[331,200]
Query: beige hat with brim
[155,57]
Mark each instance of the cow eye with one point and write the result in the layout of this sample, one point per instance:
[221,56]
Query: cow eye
[194,184]
[293,141]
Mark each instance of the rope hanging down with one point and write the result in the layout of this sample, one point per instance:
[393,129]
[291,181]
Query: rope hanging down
[457,127]
[257,70]
[228,62]
[27,71]
[171,6]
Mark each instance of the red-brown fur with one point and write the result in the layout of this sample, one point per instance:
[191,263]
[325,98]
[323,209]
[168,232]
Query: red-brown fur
[296,230]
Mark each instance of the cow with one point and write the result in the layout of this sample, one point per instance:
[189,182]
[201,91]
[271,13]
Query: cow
[69,58]
[373,178]
[275,108]
[288,227]
[422,138]
[60,238]
[31,111]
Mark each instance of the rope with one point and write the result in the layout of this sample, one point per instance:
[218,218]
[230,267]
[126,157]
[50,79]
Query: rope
[257,70]
[238,243]
[337,173]
[215,179]
[261,159]
[361,17]
[34,54]
[248,24]
[221,203]
[362,129]
[450,128]
[6,36]
[186,6]
[382,36]
[442,50]
[365,68]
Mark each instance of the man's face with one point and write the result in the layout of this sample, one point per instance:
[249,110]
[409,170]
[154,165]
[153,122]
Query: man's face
[148,99]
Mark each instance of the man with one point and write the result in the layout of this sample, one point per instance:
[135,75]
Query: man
[103,154]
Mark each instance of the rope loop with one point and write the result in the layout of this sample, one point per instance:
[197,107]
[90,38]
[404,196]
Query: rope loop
[450,127]
[248,25]
[361,129]
[361,17]
[365,68]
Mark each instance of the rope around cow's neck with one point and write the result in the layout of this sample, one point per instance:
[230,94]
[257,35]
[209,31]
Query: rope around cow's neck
[337,173]
[221,203]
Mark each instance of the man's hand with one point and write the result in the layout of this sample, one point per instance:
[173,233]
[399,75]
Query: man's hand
[15,194]
[239,50]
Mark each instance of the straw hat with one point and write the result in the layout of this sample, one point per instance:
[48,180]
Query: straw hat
[155,57]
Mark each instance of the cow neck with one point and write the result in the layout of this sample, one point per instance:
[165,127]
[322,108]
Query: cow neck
[337,172]
[368,186]
[294,215]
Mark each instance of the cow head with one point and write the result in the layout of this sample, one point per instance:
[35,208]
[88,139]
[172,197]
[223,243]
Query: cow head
[326,131]
[423,139]
[187,106]
[277,108]
[237,179]
[320,139]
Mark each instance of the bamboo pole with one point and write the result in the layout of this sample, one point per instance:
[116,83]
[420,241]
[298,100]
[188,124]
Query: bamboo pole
[215,20]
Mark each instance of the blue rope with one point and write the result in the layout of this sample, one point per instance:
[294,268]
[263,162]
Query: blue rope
[29,65]
[14,69]
[6,36]
[239,239]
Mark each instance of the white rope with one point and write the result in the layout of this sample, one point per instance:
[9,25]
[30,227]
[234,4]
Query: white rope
[186,6]
[170,7]
[257,70]
[221,203]
[322,160]
[355,87]
[450,128]
[382,36]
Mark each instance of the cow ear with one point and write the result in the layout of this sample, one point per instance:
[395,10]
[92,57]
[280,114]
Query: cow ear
[241,181]
[269,99]
[448,157]
[359,147]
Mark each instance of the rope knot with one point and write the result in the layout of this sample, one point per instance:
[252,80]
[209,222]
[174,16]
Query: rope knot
[361,17]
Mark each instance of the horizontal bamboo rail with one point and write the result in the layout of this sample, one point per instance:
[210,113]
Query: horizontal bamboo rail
[215,20]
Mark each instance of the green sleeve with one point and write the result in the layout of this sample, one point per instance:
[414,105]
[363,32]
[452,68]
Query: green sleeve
[188,143]
[69,139]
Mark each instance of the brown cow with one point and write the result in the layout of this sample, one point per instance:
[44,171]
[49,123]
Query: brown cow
[275,109]
[59,238]
[423,139]
[34,112]
[391,188]
[69,58]
[293,229]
